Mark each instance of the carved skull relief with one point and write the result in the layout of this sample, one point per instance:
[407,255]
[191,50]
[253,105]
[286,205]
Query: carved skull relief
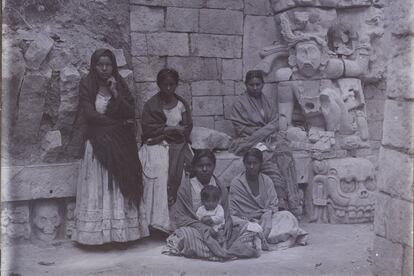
[46,220]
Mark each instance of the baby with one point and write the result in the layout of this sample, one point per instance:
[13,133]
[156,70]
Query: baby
[211,212]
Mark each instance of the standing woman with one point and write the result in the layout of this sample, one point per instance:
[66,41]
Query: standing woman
[166,128]
[110,178]
[256,122]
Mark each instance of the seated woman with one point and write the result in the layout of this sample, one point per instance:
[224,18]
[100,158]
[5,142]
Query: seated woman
[194,238]
[166,128]
[256,122]
[253,199]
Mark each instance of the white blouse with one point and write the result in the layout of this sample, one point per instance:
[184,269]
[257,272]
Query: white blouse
[174,115]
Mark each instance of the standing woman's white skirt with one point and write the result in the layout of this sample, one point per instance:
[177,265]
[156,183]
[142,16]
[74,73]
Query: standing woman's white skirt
[104,215]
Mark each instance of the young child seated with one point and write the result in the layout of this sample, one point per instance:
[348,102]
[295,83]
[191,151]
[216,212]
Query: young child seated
[211,212]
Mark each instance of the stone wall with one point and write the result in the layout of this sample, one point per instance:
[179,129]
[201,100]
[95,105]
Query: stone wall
[393,243]
[214,43]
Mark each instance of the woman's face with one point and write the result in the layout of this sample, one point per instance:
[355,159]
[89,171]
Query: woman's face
[167,85]
[204,169]
[104,67]
[253,166]
[254,87]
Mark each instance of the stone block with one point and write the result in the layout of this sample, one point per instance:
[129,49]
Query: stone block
[228,105]
[380,223]
[195,68]
[225,4]
[407,269]
[214,21]
[128,76]
[259,32]
[120,57]
[399,82]
[224,46]
[281,5]
[375,130]
[182,20]
[147,90]
[232,69]
[39,181]
[239,88]
[207,105]
[398,125]
[400,19]
[212,88]
[38,51]
[225,126]
[206,138]
[375,110]
[167,44]
[147,68]
[184,90]
[387,257]
[15,221]
[228,166]
[30,109]
[170,3]
[51,140]
[207,122]
[146,19]
[138,44]
[258,7]
[396,173]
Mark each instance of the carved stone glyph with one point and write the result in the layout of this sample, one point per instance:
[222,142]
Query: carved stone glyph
[46,220]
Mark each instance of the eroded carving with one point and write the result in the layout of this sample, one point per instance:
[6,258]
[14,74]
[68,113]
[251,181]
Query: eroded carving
[15,221]
[46,220]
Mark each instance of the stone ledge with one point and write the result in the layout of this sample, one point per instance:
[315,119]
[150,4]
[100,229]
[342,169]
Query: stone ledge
[170,3]
[39,181]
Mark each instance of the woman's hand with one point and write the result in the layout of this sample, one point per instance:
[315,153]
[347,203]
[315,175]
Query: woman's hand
[112,87]
[207,220]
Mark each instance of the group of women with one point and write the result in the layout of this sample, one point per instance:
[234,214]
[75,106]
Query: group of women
[124,192]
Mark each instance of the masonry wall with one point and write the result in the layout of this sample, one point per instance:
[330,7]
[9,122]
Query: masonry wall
[393,243]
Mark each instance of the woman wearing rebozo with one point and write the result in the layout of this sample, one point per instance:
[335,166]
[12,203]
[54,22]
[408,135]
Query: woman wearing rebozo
[166,128]
[194,237]
[109,188]
[256,121]
[253,200]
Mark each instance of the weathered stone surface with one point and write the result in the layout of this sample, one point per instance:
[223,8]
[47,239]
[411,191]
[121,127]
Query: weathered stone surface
[398,126]
[205,138]
[182,20]
[280,5]
[15,219]
[46,220]
[184,90]
[225,4]
[39,181]
[225,126]
[51,140]
[375,130]
[400,82]
[212,88]
[147,68]
[172,3]
[147,90]
[120,57]
[69,96]
[396,173]
[146,19]
[259,32]
[195,68]
[375,110]
[38,51]
[228,105]
[239,88]
[221,21]
[206,45]
[232,69]
[138,44]
[392,219]
[227,167]
[209,105]
[258,7]
[207,122]
[408,261]
[31,101]
[387,257]
[167,44]
[400,17]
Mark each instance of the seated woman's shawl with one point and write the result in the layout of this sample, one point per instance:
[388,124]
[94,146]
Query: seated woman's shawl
[251,117]
[112,137]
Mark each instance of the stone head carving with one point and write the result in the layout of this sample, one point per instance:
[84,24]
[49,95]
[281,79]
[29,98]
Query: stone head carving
[46,220]
[308,57]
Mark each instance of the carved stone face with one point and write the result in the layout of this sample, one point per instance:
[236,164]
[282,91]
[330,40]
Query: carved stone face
[308,58]
[46,220]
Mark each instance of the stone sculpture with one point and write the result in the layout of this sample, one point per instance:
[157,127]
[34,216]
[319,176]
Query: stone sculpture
[70,218]
[15,221]
[46,220]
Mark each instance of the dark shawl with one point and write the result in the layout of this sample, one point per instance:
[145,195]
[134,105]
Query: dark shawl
[251,127]
[112,138]
[153,124]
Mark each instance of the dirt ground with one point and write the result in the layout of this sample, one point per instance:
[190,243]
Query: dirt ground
[332,250]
